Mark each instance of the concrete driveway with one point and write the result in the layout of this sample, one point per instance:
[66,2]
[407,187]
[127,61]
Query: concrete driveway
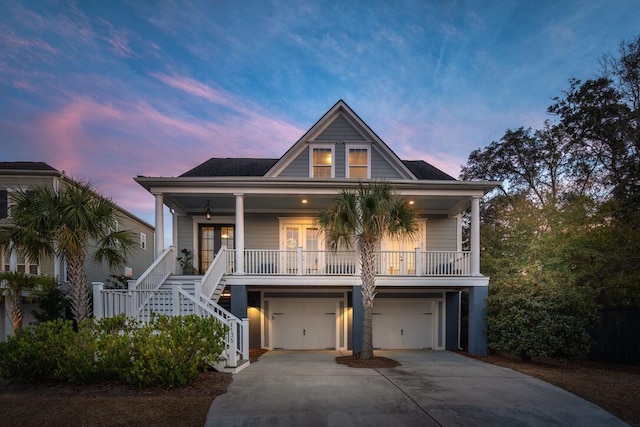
[431,388]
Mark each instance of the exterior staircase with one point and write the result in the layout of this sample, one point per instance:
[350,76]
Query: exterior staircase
[160,291]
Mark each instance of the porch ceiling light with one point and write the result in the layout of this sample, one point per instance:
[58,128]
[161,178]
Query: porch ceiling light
[304,201]
[207,211]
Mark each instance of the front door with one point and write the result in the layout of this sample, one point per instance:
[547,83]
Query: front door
[398,255]
[212,238]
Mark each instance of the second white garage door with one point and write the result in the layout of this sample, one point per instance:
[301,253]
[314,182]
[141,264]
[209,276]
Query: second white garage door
[308,324]
[403,324]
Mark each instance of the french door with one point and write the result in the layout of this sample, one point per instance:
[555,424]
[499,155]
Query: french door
[300,235]
[211,238]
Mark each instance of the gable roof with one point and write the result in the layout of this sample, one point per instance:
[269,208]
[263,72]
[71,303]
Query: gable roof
[340,108]
[217,166]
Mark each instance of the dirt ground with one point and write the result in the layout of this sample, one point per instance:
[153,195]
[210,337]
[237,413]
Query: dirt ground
[612,387]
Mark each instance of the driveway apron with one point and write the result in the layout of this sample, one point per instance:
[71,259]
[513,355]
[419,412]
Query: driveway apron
[431,388]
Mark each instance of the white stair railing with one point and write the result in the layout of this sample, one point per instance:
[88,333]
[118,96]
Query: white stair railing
[210,285]
[173,302]
[157,272]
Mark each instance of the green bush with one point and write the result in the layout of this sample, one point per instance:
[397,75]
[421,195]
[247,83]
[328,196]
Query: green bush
[166,352]
[541,319]
[170,351]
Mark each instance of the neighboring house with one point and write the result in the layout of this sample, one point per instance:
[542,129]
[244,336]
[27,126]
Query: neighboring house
[24,175]
[251,226]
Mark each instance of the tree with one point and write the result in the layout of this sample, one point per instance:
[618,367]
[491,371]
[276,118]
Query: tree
[15,283]
[68,223]
[364,217]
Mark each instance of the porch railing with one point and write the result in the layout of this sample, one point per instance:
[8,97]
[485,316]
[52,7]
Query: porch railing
[340,263]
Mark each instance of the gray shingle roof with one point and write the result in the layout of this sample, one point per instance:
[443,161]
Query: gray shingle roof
[26,166]
[217,166]
[423,170]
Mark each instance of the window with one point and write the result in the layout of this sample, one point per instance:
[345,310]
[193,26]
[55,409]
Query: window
[23,265]
[322,162]
[358,162]
[143,241]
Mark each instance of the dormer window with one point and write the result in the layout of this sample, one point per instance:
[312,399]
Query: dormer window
[322,161]
[358,162]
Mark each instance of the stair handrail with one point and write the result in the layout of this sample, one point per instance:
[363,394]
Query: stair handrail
[158,271]
[217,269]
[233,344]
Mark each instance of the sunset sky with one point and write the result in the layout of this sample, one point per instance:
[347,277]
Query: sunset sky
[107,90]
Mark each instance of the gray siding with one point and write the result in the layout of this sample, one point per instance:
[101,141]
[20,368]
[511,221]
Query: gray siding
[442,233]
[340,160]
[138,260]
[380,168]
[299,167]
[261,231]
[340,130]
[185,233]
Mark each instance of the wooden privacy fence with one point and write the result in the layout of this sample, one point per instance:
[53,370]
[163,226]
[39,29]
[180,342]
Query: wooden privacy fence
[617,336]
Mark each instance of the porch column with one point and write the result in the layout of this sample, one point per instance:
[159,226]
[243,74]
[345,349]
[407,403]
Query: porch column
[159,234]
[475,236]
[357,321]
[239,234]
[477,323]
[174,228]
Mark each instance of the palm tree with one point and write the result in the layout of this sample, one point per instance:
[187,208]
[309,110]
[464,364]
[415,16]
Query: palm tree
[15,283]
[67,222]
[364,217]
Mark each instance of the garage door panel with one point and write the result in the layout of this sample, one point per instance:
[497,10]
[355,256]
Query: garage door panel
[303,324]
[402,324]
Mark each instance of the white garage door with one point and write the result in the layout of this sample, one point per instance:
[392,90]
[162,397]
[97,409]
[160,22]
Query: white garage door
[403,324]
[303,324]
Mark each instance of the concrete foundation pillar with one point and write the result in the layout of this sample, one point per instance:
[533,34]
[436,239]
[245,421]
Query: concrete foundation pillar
[239,301]
[477,320]
[358,319]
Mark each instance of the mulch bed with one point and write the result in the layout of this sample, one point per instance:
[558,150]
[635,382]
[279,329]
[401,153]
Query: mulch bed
[374,362]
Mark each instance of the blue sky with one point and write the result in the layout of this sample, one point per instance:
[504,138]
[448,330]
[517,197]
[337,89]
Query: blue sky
[109,90]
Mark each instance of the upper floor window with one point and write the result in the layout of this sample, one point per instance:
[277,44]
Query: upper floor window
[322,162]
[358,162]
[23,265]
[143,241]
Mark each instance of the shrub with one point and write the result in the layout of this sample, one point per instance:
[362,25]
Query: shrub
[170,351]
[34,354]
[166,352]
[52,303]
[541,319]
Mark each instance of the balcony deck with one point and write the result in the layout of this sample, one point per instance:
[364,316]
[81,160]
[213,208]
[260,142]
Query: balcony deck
[299,262]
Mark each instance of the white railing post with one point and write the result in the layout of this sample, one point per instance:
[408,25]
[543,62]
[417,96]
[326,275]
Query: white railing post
[197,285]
[232,350]
[175,300]
[299,260]
[418,262]
[245,338]
[98,311]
